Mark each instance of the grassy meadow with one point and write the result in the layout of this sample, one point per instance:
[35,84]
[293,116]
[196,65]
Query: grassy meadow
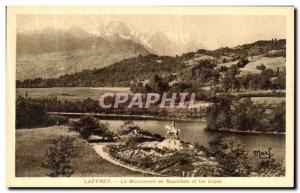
[31,145]
[270,63]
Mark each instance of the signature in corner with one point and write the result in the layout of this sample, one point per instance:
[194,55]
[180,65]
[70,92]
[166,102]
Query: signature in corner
[263,154]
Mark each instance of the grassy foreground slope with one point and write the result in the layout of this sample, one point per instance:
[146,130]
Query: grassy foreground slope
[31,145]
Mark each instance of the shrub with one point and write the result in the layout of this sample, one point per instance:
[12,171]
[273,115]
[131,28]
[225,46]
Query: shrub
[128,130]
[134,134]
[59,156]
[270,167]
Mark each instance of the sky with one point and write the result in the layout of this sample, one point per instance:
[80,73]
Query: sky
[213,31]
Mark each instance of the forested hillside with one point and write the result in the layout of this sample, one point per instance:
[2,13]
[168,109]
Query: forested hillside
[260,65]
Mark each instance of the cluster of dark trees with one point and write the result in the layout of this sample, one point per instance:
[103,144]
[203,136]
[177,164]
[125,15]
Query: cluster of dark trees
[29,113]
[33,113]
[161,84]
[244,115]
[204,73]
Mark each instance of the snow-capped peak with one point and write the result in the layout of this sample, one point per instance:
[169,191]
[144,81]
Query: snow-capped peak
[157,42]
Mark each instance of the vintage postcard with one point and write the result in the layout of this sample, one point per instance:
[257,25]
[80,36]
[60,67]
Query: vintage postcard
[150,97]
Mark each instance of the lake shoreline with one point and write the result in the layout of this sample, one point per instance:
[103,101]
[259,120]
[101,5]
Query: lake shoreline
[124,117]
[244,132]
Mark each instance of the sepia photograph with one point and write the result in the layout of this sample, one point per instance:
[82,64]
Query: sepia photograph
[150,97]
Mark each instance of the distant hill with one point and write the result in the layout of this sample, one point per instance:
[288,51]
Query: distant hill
[200,67]
[118,74]
[52,53]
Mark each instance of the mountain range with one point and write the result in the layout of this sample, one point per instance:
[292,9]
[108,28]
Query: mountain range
[156,42]
[51,53]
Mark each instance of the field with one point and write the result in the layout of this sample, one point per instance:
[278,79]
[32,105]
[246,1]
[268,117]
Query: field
[270,63]
[268,100]
[31,145]
[69,93]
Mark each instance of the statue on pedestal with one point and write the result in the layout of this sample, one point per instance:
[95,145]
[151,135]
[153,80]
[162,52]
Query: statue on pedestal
[172,131]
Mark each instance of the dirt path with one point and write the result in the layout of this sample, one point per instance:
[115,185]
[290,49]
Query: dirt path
[99,148]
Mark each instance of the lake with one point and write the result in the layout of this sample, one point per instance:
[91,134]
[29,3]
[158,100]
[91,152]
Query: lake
[193,131]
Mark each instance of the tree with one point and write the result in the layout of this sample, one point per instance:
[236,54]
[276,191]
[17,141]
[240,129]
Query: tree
[91,105]
[59,156]
[242,62]
[261,67]
[229,79]
[219,114]
[88,125]
[266,75]
[282,78]
[277,118]
[246,116]
[30,113]
[233,71]
[158,84]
